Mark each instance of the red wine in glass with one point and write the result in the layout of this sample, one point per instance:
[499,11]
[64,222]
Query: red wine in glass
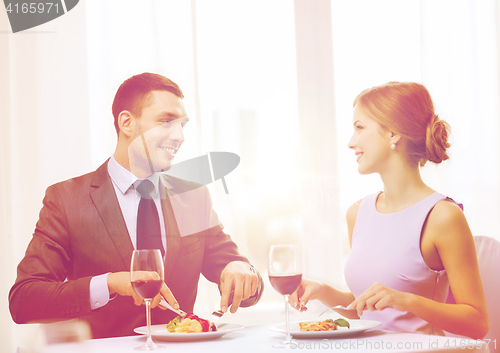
[147,289]
[286,284]
[285,275]
[146,278]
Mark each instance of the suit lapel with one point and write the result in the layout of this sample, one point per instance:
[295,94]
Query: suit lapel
[173,235]
[104,198]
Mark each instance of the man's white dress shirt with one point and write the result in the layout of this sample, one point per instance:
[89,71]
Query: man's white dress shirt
[124,183]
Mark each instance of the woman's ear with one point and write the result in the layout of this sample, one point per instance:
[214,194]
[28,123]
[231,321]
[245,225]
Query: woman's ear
[126,122]
[395,137]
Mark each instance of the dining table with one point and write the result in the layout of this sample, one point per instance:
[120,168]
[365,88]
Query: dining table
[258,331]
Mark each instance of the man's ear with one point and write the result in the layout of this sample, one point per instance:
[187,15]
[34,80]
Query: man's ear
[126,122]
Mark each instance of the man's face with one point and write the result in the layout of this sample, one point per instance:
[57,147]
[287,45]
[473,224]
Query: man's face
[157,134]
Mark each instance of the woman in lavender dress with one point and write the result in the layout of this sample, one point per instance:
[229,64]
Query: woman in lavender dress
[409,244]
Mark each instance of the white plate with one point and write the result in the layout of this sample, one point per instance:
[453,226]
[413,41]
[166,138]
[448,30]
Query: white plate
[161,333]
[357,326]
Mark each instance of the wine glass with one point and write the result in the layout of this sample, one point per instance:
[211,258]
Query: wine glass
[285,275]
[146,276]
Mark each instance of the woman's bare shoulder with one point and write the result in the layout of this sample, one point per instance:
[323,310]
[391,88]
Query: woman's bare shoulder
[447,222]
[446,212]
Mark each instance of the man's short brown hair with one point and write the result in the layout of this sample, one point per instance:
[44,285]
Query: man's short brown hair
[133,93]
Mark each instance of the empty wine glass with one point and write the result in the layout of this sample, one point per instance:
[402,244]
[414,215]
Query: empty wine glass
[146,276]
[285,275]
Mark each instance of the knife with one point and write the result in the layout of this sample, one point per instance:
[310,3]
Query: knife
[165,304]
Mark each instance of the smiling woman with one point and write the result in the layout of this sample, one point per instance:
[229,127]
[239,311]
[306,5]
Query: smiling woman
[392,107]
[409,244]
[390,110]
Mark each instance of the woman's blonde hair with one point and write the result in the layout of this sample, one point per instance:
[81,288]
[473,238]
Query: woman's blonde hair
[406,108]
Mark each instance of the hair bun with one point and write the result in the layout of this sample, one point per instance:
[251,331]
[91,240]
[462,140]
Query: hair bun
[436,142]
[406,108]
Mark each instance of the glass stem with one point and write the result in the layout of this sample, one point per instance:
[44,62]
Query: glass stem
[287,320]
[149,341]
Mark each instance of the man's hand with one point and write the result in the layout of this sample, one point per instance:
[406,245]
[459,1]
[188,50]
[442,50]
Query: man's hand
[237,278]
[119,283]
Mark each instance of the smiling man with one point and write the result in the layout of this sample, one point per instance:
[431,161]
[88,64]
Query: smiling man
[149,138]
[77,263]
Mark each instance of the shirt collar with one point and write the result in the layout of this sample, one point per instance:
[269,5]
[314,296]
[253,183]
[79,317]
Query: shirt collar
[124,179]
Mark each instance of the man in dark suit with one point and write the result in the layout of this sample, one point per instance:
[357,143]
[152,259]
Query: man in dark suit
[77,264]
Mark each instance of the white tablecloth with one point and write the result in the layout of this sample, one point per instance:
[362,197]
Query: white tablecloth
[261,339]
[257,337]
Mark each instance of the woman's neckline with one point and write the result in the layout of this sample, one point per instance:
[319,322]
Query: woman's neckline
[404,209]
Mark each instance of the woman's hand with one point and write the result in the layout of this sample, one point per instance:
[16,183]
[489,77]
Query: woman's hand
[308,290]
[380,297]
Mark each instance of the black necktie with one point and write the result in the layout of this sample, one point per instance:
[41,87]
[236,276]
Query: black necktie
[148,223]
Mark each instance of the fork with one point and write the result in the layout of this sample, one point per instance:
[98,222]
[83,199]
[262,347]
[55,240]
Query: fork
[215,316]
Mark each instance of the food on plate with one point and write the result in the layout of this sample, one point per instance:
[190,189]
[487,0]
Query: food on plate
[326,325]
[191,323]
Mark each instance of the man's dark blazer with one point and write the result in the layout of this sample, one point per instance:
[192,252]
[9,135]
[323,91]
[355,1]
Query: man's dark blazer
[81,233]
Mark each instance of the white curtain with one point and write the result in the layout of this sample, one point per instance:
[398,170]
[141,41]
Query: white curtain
[374,42]
[460,66]
[250,89]
[45,135]
[450,46]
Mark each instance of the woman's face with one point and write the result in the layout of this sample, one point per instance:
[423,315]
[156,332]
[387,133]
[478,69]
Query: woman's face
[370,141]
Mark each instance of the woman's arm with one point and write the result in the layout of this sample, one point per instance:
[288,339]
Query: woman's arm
[448,230]
[311,289]
[447,243]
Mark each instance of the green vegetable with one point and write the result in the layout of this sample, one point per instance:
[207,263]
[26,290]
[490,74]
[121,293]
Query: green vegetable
[342,323]
[173,323]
